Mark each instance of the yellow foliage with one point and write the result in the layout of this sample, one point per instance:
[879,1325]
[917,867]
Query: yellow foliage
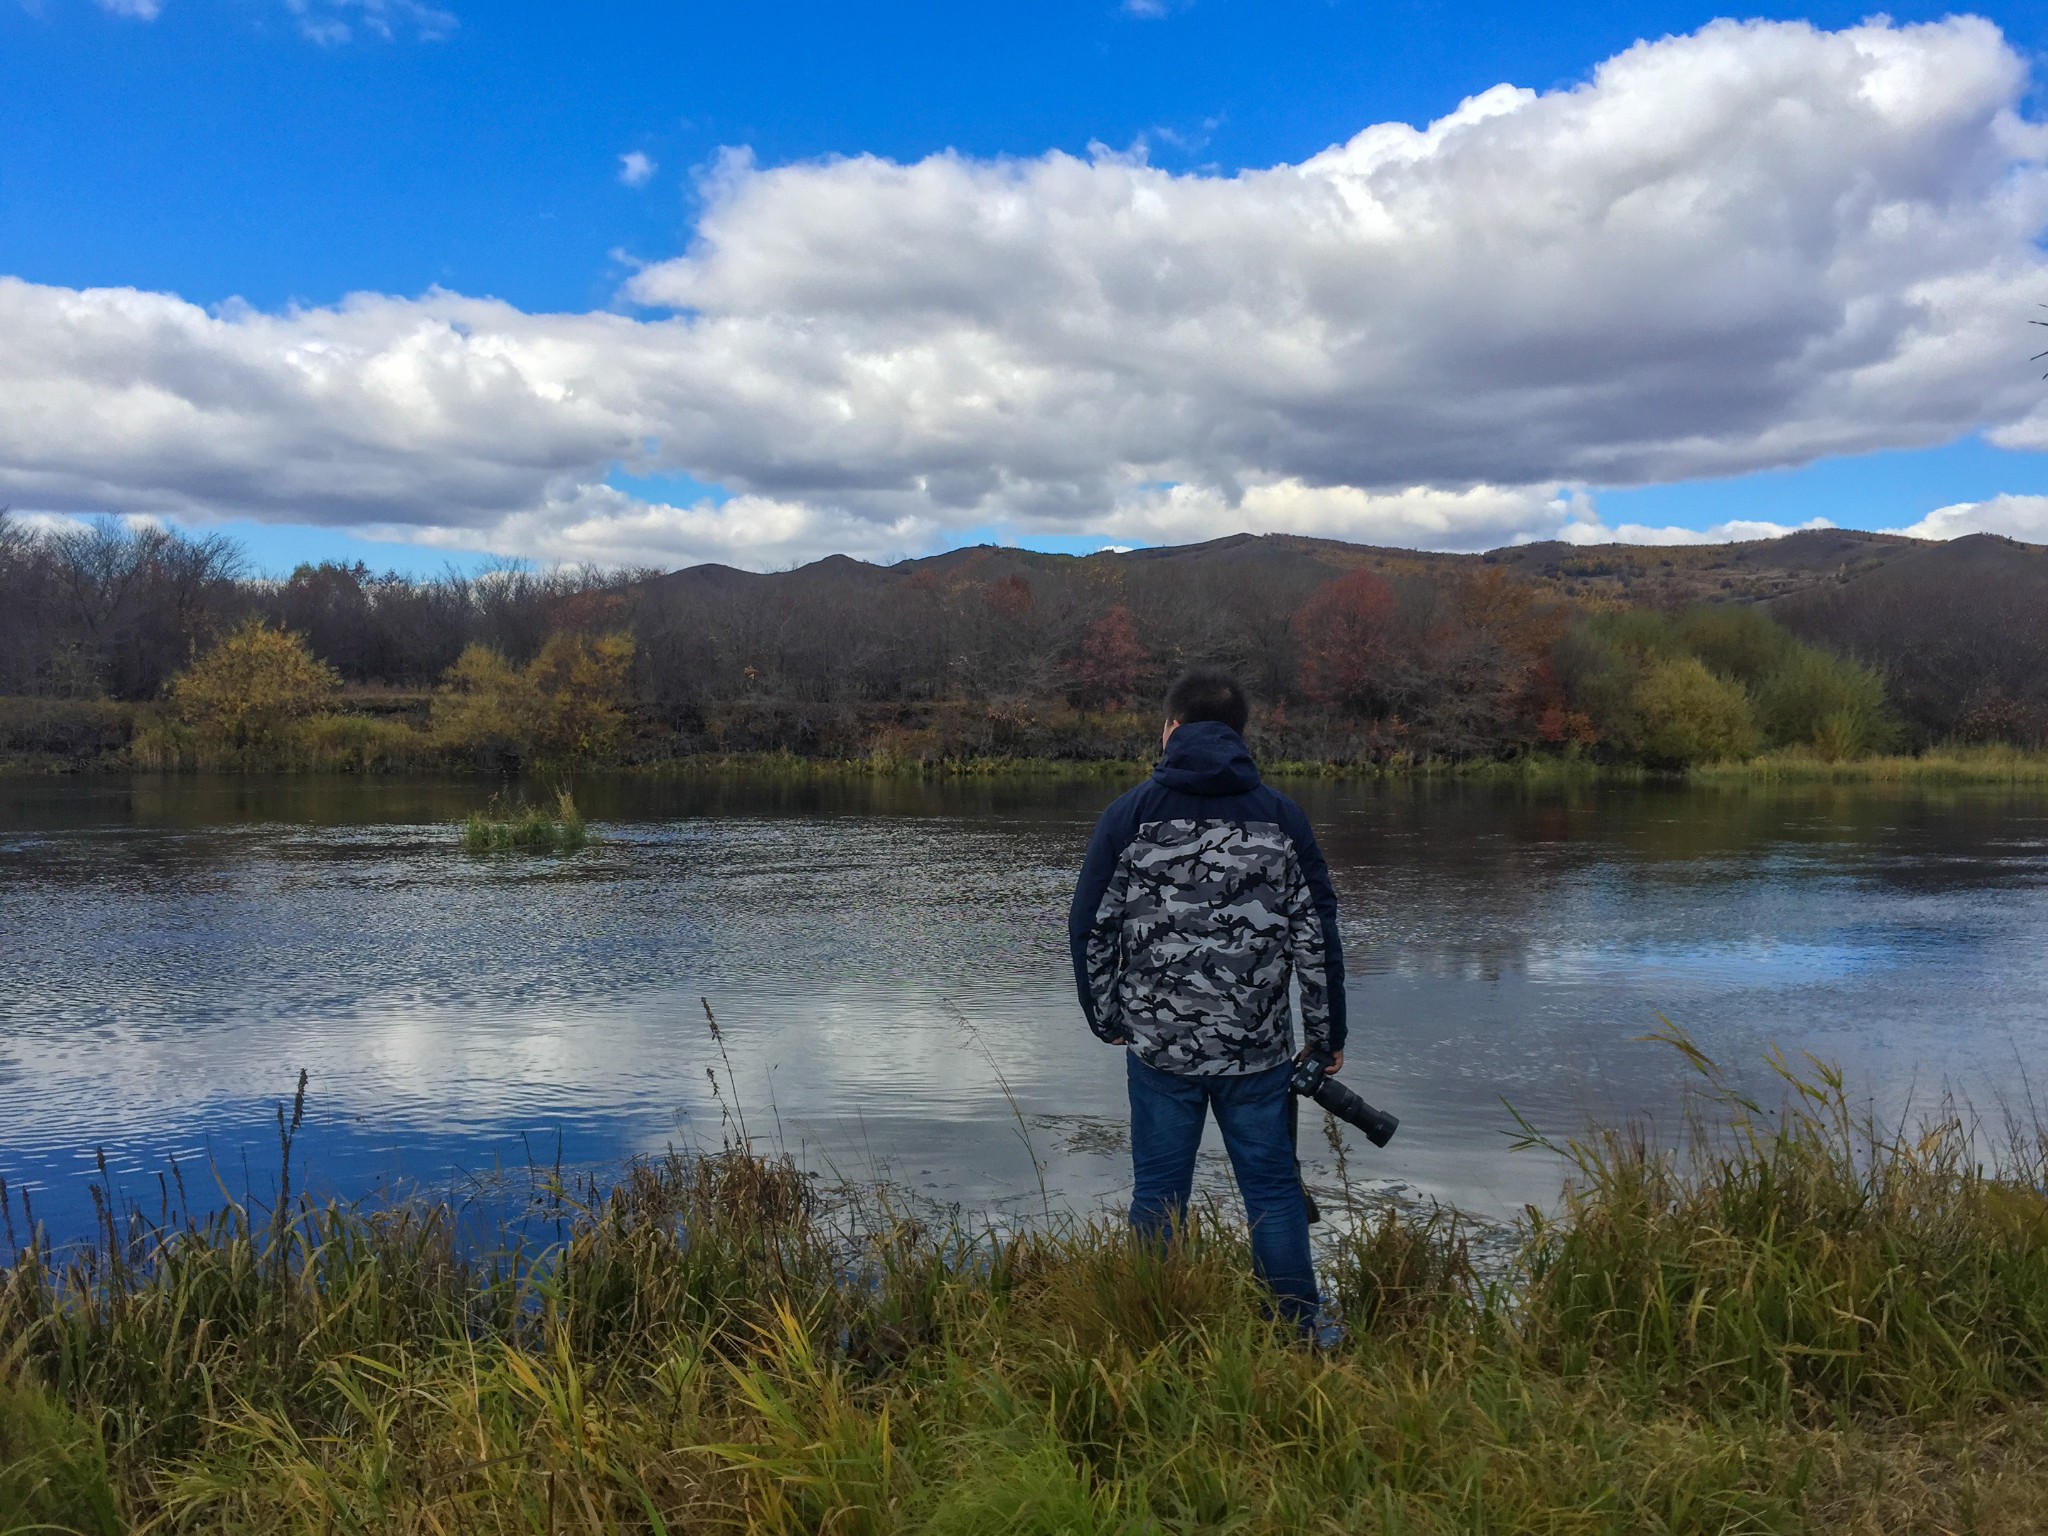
[482,705]
[581,684]
[1691,715]
[250,687]
[567,704]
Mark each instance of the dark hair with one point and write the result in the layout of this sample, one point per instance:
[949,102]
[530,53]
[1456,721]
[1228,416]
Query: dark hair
[1208,693]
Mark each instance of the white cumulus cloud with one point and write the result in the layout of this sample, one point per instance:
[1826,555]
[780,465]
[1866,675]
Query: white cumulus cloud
[1747,248]
[137,10]
[2017,517]
[636,168]
[1589,529]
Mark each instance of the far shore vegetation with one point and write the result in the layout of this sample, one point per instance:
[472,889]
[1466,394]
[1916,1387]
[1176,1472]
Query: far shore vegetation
[141,649]
[1795,1320]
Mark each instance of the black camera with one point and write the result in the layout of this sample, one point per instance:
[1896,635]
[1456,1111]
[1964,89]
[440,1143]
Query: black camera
[1312,1080]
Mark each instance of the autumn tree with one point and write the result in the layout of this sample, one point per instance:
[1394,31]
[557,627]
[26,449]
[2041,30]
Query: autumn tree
[1346,633]
[567,704]
[1011,597]
[250,687]
[482,706]
[1482,679]
[581,684]
[1107,669]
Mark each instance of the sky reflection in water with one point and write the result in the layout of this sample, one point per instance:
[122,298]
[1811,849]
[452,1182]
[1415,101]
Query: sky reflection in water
[175,950]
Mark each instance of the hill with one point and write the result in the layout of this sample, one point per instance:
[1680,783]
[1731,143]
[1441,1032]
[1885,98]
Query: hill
[1959,630]
[1761,570]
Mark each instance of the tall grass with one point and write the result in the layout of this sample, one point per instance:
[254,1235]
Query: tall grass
[517,823]
[1808,1261]
[1940,765]
[324,743]
[1792,1321]
[886,763]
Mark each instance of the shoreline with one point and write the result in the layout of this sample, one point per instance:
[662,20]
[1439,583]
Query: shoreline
[58,737]
[1938,767]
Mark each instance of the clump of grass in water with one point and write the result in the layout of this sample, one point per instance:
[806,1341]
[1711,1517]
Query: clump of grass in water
[503,824]
[1792,1322]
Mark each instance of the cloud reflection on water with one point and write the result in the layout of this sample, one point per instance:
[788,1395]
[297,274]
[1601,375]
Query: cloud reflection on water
[191,944]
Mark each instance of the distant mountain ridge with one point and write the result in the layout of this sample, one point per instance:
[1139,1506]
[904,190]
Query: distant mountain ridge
[1754,570]
[1958,628]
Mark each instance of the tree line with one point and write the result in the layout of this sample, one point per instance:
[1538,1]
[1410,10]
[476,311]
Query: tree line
[981,653]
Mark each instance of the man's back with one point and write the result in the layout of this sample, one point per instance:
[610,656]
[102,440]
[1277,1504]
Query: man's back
[1202,893]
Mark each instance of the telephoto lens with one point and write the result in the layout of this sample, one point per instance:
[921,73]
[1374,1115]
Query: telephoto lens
[1312,1080]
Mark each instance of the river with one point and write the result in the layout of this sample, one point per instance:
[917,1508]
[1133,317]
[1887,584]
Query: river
[887,962]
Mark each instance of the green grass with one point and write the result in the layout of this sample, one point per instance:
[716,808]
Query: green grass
[1791,1322]
[1535,768]
[1939,766]
[885,764]
[509,824]
[888,765]
[1943,765]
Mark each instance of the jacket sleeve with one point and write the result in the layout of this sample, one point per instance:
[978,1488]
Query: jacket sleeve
[1095,924]
[1316,948]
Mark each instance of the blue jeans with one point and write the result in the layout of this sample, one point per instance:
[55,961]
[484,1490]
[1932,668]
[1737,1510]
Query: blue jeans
[1167,1110]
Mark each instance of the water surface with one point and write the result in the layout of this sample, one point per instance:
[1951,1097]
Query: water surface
[888,963]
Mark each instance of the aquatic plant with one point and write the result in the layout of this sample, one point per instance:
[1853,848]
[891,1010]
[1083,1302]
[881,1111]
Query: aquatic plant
[517,823]
[1791,1320]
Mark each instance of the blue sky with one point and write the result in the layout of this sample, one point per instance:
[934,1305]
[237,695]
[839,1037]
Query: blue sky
[282,156]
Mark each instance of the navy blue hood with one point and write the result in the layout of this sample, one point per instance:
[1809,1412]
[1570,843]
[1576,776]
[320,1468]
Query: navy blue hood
[1207,758]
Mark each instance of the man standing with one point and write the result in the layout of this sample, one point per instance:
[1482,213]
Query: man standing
[1203,892]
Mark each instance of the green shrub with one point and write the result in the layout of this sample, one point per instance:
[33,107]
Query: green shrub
[1639,634]
[1735,641]
[1686,714]
[1601,662]
[1832,704]
[1715,683]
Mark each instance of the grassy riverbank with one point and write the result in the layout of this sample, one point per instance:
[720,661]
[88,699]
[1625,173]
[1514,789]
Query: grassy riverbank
[1794,1324]
[1939,766]
[64,736]
[55,736]
[1942,765]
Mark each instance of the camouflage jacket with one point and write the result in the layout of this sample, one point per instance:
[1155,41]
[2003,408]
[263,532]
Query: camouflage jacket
[1202,895]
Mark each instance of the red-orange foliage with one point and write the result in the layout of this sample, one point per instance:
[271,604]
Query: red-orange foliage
[1011,597]
[1106,672]
[1556,723]
[1347,634]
